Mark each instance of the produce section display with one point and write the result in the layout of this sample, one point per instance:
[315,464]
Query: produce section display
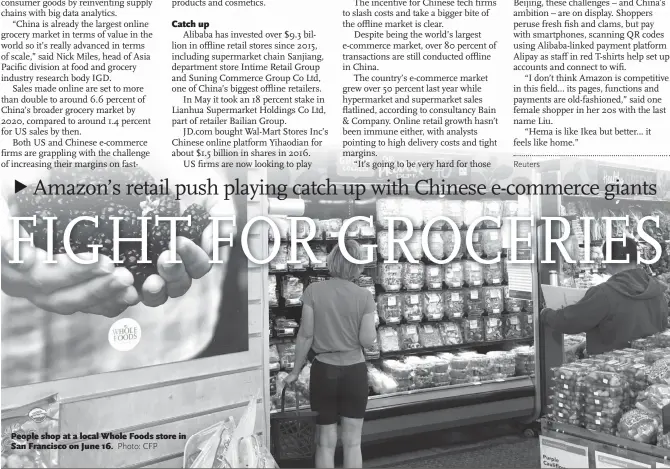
[620,393]
[438,325]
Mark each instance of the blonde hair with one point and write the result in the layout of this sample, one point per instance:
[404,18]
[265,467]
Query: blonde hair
[340,267]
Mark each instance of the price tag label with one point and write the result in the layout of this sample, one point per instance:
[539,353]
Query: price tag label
[434,298]
[391,301]
[414,299]
[496,310]
[428,329]
[411,330]
[474,324]
[514,320]
[558,453]
[609,461]
[280,266]
[496,280]
[457,314]
[474,295]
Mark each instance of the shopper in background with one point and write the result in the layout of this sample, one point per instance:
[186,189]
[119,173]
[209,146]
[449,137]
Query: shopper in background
[337,323]
[630,305]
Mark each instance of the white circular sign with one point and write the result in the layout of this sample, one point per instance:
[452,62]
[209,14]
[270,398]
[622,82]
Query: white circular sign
[125,334]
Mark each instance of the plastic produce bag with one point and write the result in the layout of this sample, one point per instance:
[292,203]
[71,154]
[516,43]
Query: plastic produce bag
[292,289]
[527,324]
[331,228]
[283,226]
[493,328]
[388,338]
[512,327]
[454,275]
[525,361]
[473,274]
[477,246]
[493,300]
[474,302]
[413,307]
[491,243]
[512,305]
[301,230]
[659,372]
[321,255]
[451,333]
[414,245]
[449,243]
[280,261]
[389,308]
[433,277]
[429,336]
[373,352]
[397,369]
[664,441]
[380,382]
[285,327]
[413,276]
[639,426]
[390,277]
[493,274]
[38,418]
[274,358]
[454,304]
[436,245]
[286,355]
[208,447]
[502,363]
[433,306]
[383,246]
[273,299]
[654,398]
[473,330]
[303,260]
[409,337]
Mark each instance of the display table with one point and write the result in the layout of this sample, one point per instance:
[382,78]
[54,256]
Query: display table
[569,446]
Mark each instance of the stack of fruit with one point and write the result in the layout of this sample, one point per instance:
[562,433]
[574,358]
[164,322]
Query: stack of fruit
[103,203]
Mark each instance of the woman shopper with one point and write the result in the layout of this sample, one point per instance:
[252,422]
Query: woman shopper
[337,322]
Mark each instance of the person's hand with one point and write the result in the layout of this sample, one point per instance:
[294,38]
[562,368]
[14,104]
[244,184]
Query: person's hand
[175,279]
[291,378]
[64,287]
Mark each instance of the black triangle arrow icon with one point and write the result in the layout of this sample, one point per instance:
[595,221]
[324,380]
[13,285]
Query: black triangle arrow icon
[18,186]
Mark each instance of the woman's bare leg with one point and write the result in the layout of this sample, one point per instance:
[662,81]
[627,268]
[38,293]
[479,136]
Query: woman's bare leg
[326,443]
[351,442]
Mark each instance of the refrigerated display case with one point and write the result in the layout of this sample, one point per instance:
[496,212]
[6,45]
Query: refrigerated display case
[599,406]
[456,342]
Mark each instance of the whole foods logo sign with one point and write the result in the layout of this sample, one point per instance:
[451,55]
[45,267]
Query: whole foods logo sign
[38,415]
[125,334]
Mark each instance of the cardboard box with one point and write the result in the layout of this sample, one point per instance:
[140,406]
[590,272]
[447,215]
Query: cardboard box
[560,297]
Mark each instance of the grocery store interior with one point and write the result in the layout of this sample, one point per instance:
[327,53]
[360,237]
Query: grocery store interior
[463,374]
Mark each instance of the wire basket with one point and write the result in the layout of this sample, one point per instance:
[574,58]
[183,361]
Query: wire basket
[293,433]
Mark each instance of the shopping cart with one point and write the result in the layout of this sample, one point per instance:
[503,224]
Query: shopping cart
[293,433]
